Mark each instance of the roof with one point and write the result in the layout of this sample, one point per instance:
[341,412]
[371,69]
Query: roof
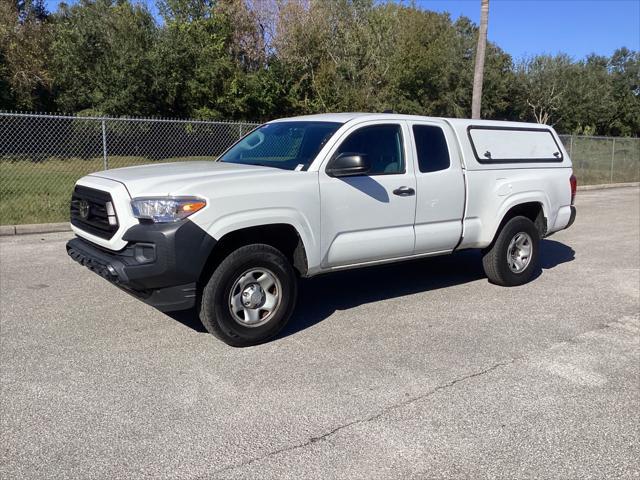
[345,117]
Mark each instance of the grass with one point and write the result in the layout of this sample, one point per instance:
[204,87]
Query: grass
[592,160]
[39,192]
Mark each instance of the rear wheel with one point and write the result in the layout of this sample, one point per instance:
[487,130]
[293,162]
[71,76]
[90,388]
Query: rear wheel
[250,296]
[513,258]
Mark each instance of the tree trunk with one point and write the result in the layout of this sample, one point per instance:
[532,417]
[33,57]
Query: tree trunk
[480,53]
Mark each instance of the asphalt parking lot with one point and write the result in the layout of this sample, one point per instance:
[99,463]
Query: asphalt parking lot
[416,370]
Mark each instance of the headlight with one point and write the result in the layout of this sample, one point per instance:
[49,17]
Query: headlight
[166,209]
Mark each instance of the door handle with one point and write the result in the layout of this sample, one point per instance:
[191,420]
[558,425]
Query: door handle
[404,191]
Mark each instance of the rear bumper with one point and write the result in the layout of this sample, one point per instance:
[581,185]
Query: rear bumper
[160,264]
[564,219]
[572,218]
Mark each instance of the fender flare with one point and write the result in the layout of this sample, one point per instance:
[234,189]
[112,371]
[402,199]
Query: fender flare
[233,222]
[534,196]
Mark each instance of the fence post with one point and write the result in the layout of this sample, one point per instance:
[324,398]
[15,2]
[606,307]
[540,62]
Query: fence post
[105,159]
[613,154]
[571,147]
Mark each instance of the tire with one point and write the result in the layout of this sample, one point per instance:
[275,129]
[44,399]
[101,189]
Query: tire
[266,277]
[506,261]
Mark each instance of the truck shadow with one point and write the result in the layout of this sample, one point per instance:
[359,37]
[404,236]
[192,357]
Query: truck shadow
[321,296]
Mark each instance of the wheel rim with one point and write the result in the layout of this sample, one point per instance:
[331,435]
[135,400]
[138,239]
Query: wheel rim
[255,297]
[519,252]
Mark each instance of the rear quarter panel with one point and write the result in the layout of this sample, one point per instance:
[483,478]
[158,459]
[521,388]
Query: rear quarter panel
[494,188]
[492,193]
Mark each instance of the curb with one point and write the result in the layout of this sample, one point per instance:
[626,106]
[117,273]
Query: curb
[608,185]
[8,230]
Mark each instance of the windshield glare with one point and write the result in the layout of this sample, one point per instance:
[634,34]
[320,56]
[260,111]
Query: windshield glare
[286,145]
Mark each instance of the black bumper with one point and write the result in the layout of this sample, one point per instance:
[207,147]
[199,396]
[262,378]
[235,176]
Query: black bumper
[572,218]
[160,265]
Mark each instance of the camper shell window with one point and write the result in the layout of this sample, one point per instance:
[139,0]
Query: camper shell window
[513,145]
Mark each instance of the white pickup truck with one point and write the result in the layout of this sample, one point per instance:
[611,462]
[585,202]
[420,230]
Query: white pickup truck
[298,197]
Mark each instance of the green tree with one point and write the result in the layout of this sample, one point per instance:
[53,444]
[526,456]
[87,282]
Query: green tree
[24,42]
[544,85]
[598,95]
[101,56]
[361,55]
[209,60]
[589,102]
[250,59]
[434,63]
[624,67]
[338,52]
[431,72]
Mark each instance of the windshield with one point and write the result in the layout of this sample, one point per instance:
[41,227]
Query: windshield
[287,145]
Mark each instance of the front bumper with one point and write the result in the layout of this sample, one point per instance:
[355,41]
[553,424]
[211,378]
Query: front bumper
[160,265]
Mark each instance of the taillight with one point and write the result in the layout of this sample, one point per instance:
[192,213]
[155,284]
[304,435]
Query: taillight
[574,186]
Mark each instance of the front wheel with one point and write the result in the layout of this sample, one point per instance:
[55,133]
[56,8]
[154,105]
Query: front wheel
[513,258]
[250,296]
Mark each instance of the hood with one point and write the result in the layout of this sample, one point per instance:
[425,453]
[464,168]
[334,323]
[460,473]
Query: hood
[182,177]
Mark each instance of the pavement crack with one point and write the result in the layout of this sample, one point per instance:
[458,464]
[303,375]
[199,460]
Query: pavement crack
[427,394]
[370,418]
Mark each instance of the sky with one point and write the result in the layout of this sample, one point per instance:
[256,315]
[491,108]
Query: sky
[576,27]
[529,27]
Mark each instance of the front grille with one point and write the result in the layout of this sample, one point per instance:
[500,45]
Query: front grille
[92,211]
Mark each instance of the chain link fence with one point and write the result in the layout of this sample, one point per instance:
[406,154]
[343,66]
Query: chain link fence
[42,156]
[602,160]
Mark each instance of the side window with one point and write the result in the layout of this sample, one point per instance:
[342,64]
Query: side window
[380,144]
[431,147]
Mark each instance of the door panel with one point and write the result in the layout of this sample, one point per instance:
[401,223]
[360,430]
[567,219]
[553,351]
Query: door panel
[440,188]
[372,244]
[362,219]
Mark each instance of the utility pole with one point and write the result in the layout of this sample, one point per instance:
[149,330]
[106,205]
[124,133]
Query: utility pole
[478,73]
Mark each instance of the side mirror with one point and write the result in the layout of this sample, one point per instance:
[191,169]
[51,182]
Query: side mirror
[348,164]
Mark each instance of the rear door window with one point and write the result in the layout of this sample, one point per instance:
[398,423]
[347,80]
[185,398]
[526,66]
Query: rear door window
[431,147]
